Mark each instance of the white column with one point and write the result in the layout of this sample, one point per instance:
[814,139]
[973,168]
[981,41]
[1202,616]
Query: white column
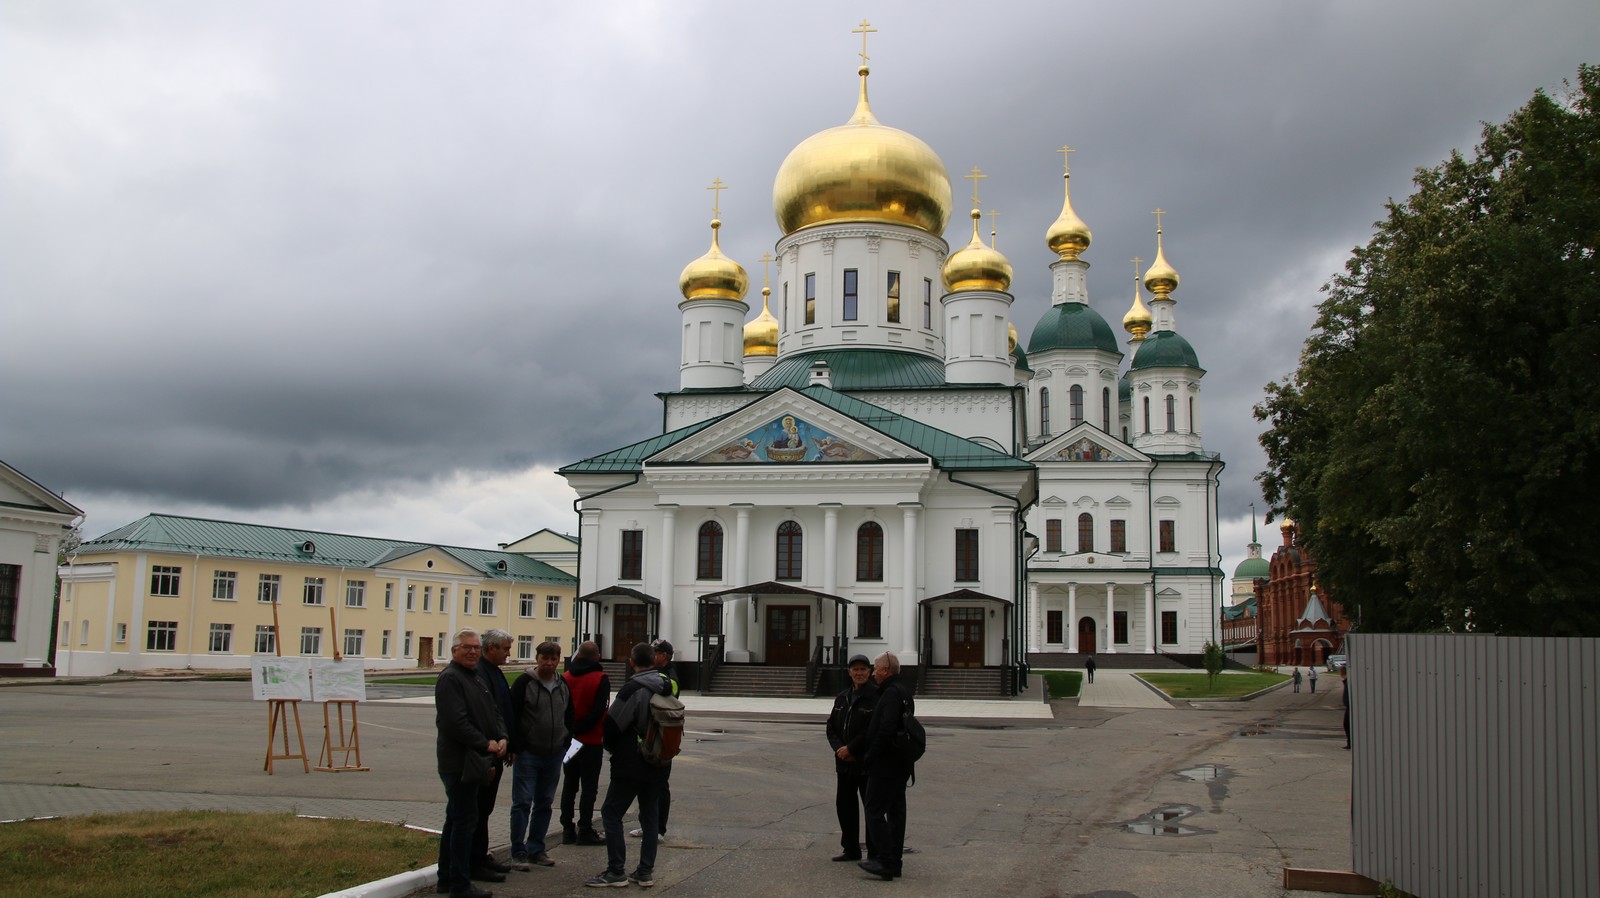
[1072,617]
[1150,615]
[1111,619]
[736,616]
[912,558]
[1035,632]
[665,590]
[830,548]
[741,545]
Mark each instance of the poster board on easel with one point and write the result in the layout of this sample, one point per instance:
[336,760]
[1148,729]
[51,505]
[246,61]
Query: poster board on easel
[283,683]
[339,684]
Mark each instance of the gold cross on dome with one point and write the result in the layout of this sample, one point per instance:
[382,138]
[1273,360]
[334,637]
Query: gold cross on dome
[1158,213]
[864,29]
[992,216]
[1066,162]
[1136,261]
[976,176]
[766,261]
[716,204]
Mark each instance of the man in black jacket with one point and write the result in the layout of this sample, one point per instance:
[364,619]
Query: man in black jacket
[543,711]
[467,722]
[625,727]
[496,648]
[847,734]
[887,773]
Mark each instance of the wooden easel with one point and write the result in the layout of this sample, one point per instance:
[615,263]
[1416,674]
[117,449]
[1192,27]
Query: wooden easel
[325,757]
[280,713]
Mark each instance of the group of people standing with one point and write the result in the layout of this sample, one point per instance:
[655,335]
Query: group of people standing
[861,729]
[485,724]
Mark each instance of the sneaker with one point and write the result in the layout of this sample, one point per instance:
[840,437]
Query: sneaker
[637,833]
[607,878]
[542,859]
[519,862]
[590,837]
[644,879]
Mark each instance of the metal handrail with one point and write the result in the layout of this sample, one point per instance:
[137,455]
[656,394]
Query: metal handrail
[713,660]
[814,669]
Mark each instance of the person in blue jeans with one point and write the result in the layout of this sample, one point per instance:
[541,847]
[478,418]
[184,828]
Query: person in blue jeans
[544,721]
[631,778]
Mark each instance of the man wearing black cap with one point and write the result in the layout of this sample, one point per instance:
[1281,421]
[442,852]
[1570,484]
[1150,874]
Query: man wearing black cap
[847,733]
[663,663]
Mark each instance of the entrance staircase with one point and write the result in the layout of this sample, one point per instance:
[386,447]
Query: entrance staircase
[962,683]
[759,681]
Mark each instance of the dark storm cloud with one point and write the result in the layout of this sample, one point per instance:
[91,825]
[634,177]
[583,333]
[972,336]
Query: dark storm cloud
[268,254]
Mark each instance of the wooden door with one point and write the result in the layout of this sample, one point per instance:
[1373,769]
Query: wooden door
[966,637]
[1086,631]
[788,635]
[628,627]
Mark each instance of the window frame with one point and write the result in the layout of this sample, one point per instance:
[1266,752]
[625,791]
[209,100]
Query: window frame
[708,551]
[967,554]
[355,637]
[486,602]
[891,293]
[631,563]
[1044,411]
[811,297]
[225,631]
[312,593]
[355,594]
[310,636]
[869,552]
[866,614]
[1169,628]
[266,639]
[552,607]
[1119,536]
[789,563]
[1075,404]
[1052,535]
[269,589]
[1167,530]
[850,300]
[1085,532]
[160,636]
[225,586]
[527,606]
[166,577]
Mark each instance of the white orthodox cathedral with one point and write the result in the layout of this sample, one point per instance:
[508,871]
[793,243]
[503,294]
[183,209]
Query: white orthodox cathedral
[877,462]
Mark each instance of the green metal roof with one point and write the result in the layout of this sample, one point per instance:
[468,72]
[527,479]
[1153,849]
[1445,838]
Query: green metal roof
[1253,569]
[225,539]
[1072,325]
[1165,349]
[856,369]
[1019,360]
[630,458]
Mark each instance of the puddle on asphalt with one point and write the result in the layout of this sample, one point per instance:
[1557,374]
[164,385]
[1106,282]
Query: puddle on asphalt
[1215,777]
[1205,773]
[1163,821]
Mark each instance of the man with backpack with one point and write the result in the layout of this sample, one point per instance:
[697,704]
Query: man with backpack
[663,666]
[643,729]
[888,770]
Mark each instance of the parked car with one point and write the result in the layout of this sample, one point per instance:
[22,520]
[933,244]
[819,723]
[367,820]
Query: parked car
[1337,662]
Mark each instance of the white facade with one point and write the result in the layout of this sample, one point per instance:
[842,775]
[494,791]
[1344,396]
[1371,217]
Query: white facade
[33,521]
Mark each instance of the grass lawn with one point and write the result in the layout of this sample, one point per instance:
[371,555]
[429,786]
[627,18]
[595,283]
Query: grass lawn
[1062,683]
[1197,685]
[204,853]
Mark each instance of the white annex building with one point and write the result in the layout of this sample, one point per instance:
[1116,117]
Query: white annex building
[33,522]
[874,462]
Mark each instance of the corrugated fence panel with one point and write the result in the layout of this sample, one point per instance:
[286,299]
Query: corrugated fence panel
[1476,764]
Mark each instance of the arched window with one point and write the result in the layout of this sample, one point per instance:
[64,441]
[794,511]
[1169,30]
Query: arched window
[1044,411]
[1085,532]
[1075,404]
[869,552]
[1194,426]
[1105,409]
[709,566]
[1147,414]
[790,542]
[1172,413]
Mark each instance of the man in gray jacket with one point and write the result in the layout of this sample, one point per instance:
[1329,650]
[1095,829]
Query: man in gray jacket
[544,723]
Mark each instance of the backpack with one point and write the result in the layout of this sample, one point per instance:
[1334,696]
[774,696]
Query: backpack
[911,740]
[663,734]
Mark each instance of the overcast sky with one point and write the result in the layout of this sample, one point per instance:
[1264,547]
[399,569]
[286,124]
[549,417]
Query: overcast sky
[381,267]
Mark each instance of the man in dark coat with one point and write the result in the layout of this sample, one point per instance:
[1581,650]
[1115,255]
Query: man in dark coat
[496,648]
[467,721]
[887,773]
[847,734]
[663,666]
[591,693]
[626,723]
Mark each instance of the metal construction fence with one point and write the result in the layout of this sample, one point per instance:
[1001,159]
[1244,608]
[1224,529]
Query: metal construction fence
[1476,768]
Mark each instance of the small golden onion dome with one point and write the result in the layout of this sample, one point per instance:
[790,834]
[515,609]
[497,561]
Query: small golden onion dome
[1161,278]
[1138,320]
[977,266]
[761,334]
[1068,236]
[1011,338]
[862,171]
[1286,526]
[713,275]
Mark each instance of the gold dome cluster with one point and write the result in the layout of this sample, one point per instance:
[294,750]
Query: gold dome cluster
[713,275]
[977,266]
[862,171]
[1068,235]
[761,334]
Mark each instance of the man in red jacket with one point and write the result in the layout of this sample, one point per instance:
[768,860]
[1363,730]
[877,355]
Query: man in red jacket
[591,693]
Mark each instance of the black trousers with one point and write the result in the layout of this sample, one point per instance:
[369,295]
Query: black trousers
[886,819]
[584,770]
[486,794]
[849,797]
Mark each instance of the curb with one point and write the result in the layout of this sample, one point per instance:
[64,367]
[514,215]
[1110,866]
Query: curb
[392,887]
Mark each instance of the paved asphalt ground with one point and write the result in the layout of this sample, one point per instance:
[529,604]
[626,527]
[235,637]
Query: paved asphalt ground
[1020,800]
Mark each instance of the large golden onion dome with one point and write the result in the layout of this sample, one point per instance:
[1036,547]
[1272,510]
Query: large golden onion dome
[761,334]
[977,266]
[1068,235]
[862,171]
[713,275]
[1161,278]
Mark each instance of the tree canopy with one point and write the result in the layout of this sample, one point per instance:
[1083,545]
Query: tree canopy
[1438,442]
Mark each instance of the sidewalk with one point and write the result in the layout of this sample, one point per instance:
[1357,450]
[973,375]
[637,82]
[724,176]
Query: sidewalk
[1119,689]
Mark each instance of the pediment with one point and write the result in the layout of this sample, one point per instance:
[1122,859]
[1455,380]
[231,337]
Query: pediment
[1085,443]
[786,428]
[429,560]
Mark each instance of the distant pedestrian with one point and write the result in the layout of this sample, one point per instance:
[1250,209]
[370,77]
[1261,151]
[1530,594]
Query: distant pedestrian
[1088,667]
[1344,680]
[1311,677]
[1297,679]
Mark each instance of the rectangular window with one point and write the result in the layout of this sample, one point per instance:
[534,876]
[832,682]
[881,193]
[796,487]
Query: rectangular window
[524,646]
[406,652]
[851,298]
[313,591]
[66,632]
[784,322]
[427,598]
[966,555]
[444,600]
[164,579]
[162,636]
[1119,535]
[411,597]
[893,295]
[267,589]
[554,639]
[632,555]
[1052,535]
[83,634]
[355,594]
[354,642]
[310,640]
[1052,627]
[1169,536]
[1169,628]
[386,643]
[221,639]
[927,303]
[266,639]
[466,601]
[869,622]
[710,619]
[811,298]
[223,585]
[1119,629]
[10,600]
[388,597]
[552,607]
[525,607]
[122,632]
[1085,533]
[486,602]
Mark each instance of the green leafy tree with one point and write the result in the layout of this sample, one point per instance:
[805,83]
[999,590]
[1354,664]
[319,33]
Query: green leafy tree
[1439,444]
[1214,661]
